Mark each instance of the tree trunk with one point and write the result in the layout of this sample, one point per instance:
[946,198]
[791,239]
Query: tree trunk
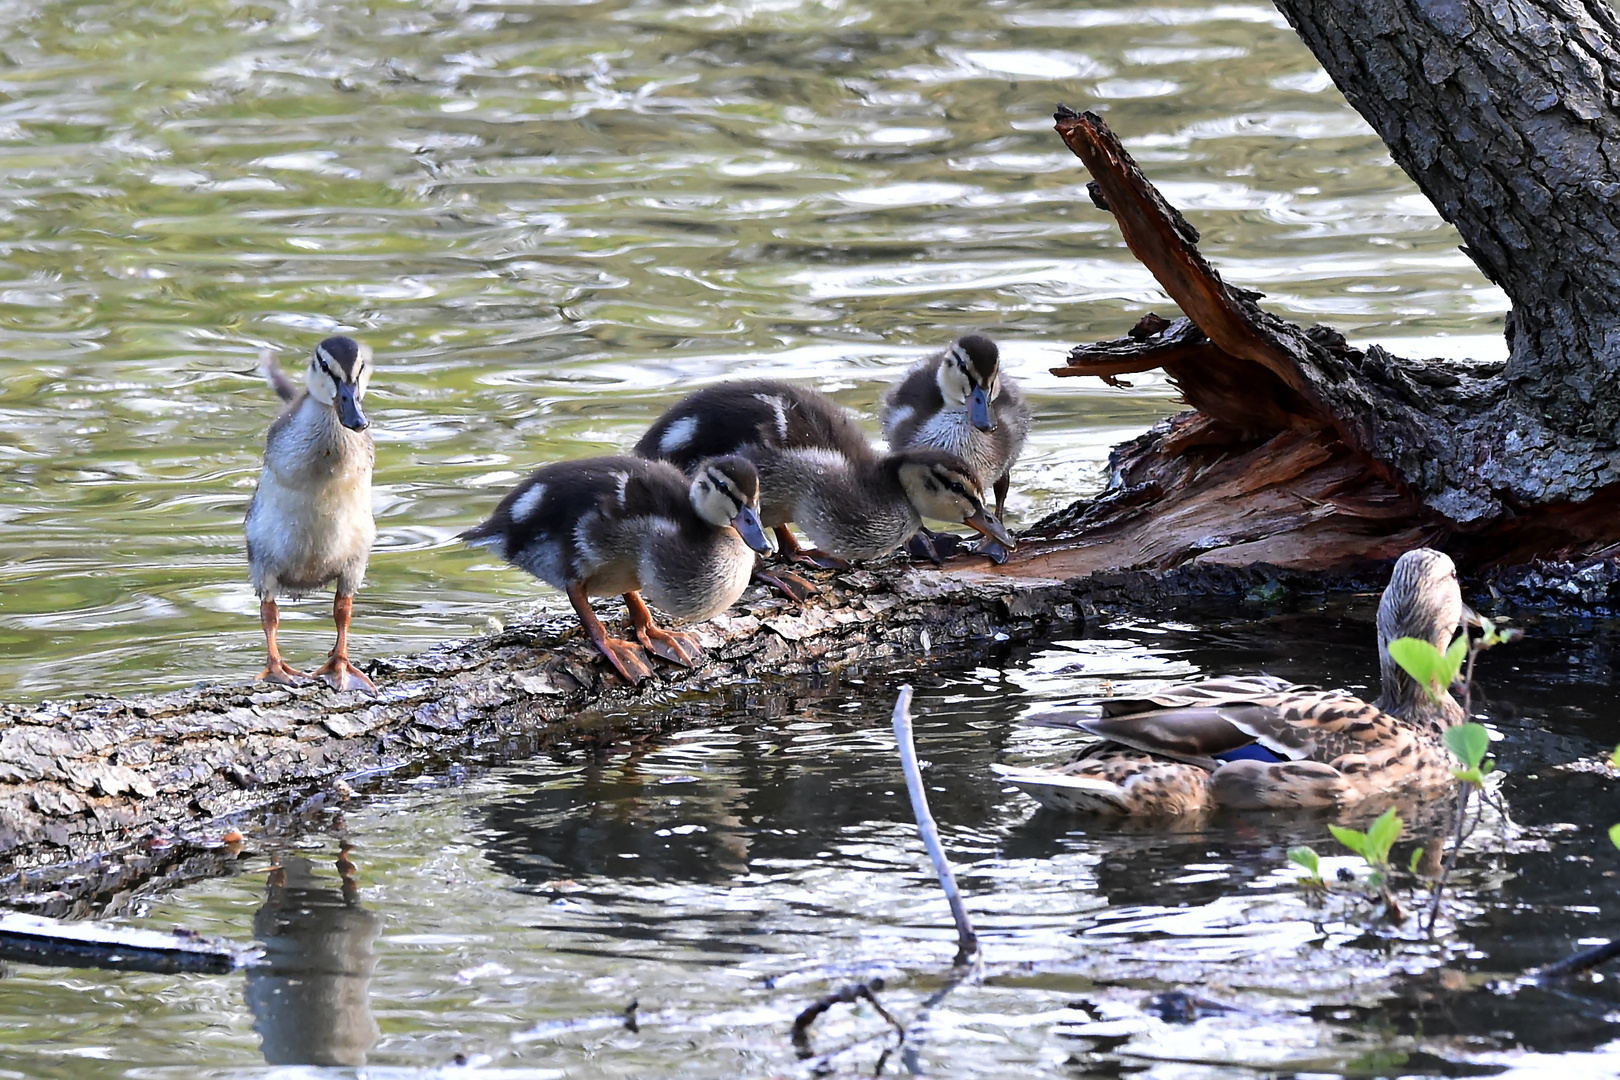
[1508,117]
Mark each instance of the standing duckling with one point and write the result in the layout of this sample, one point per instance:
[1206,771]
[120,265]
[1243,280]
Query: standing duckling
[606,525]
[816,469]
[958,400]
[310,521]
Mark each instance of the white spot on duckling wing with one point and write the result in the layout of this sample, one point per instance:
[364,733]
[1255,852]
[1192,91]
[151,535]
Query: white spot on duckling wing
[677,435]
[820,458]
[894,419]
[780,408]
[528,502]
[623,483]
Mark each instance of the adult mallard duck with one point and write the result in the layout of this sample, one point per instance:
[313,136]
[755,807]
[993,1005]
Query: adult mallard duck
[1260,742]
[818,471]
[310,522]
[606,525]
[959,400]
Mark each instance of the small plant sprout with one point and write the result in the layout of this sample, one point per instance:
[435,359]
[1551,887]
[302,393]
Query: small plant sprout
[1432,669]
[1306,857]
[1373,845]
[1614,835]
[1469,744]
[1412,863]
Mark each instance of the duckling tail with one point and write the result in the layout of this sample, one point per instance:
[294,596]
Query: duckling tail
[284,387]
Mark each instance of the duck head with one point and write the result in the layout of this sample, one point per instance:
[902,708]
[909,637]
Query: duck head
[725,492]
[1423,600]
[338,372]
[969,377]
[939,485]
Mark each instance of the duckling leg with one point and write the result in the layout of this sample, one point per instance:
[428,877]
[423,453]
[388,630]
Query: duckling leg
[936,547]
[787,583]
[277,670]
[627,659]
[788,545]
[337,672]
[676,647]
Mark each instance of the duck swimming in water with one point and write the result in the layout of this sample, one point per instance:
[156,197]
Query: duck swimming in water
[1252,742]
[310,522]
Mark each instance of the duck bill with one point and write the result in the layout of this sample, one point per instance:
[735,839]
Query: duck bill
[348,407]
[979,409]
[753,533]
[1471,619]
[981,520]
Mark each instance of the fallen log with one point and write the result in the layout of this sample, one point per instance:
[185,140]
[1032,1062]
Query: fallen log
[101,794]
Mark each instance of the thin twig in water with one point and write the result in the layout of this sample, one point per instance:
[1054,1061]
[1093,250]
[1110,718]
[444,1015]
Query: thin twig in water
[847,995]
[967,940]
[1581,961]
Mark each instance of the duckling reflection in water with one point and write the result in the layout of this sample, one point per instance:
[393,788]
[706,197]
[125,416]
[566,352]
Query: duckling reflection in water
[818,471]
[959,400]
[606,525]
[1254,742]
[311,993]
[310,522]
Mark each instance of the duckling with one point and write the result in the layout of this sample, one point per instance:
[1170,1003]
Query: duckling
[818,470]
[1259,742]
[958,400]
[605,525]
[310,522]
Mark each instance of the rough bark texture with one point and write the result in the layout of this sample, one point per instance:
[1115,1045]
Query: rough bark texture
[1372,452]
[1507,116]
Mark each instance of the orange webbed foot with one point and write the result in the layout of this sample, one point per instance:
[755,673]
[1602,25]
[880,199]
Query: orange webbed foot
[627,659]
[281,673]
[674,646]
[341,675]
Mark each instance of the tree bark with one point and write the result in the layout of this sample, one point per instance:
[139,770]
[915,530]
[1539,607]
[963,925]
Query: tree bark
[1507,115]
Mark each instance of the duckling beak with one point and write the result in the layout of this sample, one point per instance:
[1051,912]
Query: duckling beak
[753,533]
[979,410]
[981,520]
[348,407]
[1471,618]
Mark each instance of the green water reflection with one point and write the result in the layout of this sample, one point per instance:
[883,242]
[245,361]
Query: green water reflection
[548,219]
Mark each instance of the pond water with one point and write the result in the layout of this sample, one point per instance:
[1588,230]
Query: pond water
[736,858]
[551,219]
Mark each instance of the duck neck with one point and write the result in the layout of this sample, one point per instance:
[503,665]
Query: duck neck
[1400,695]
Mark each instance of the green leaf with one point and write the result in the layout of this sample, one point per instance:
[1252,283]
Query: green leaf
[1412,863]
[1455,656]
[1470,743]
[1614,835]
[1614,758]
[1382,836]
[1425,663]
[1354,839]
[1307,858]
